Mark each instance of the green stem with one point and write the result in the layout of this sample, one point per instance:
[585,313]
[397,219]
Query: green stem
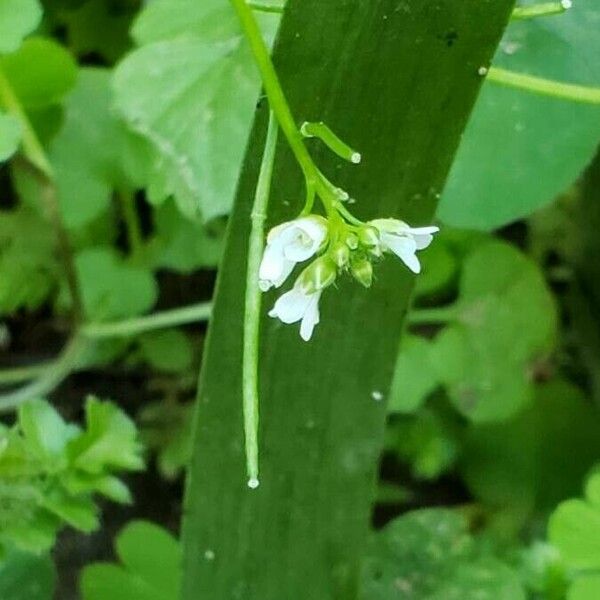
[34,152]
[50,378]
[132,223]
[129,327]
[32,148]
[278,102]
[431,316]
[266,7]
[332,141]
[540,10]
[253,305]
[546,87]
[20,374]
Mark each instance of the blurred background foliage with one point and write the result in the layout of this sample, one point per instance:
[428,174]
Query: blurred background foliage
[494,414]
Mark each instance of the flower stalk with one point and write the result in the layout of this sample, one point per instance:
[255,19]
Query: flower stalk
[253,305]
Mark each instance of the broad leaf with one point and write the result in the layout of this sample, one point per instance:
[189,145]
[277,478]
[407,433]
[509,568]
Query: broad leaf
[93,154]
[167,350]
[190,90]
[538,458]
[150,571]
[506,320]
[40,72]
[17,19]
[301,534]
[430,555]
[111,287]
[520,149]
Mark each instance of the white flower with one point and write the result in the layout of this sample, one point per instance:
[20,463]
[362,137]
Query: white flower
[288,244]
[297,305]
[403,240]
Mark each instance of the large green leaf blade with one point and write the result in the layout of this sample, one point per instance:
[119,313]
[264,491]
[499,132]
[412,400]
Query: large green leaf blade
[302,533]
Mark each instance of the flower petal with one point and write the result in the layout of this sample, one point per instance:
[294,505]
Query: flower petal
[291,306]
[404,248]
[422,235]
[311,317]
[272,264]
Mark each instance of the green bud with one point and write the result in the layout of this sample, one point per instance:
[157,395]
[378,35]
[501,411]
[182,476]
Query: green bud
[368,236]
[362,271]
[352,241]
[318,275]
[340,254]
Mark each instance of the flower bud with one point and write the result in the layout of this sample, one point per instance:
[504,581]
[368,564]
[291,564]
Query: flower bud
[318,275]
[362,271]
[368,236]
[352,241]
[340,254]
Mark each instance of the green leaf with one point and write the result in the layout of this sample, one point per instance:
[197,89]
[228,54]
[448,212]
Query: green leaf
[26,576]
[439,268]
[586,587]
[151,567]
[183,244]
[111,287]
[322,414]
[520,149]
[506,320]
[430,555]
[167,350]
[27,260]
[197,125]
[79,512]
[166,428]
[17,19]
[10,136]
[93,153]
[40,72]
[44,429]
[414,376]
[109,441]
[539,457]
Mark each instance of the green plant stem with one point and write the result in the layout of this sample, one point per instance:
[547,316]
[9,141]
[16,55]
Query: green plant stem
[51,377]
[266,7]
[540,10]
[253,305]
[132,223]
[333,142]
[545,87]
[34,152]
[279,104]
[20,374]
[432,316]
[167,318]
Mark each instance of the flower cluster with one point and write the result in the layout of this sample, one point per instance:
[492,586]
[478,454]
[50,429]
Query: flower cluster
[338,247]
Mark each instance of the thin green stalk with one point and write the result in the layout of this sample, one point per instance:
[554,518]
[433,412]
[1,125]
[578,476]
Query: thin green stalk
[432,316]
[20,374]
[50,378]
[279,104]
[545,87]
[266,7]
[253,305]
[35,154]
[333,142]
[131,220]
[167,318]
[540,10]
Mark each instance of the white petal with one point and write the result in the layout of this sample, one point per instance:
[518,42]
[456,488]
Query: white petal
[422,235]
[277,231]
[272,264]
[291,307]
[288,267]
[404,248]
[311,317]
